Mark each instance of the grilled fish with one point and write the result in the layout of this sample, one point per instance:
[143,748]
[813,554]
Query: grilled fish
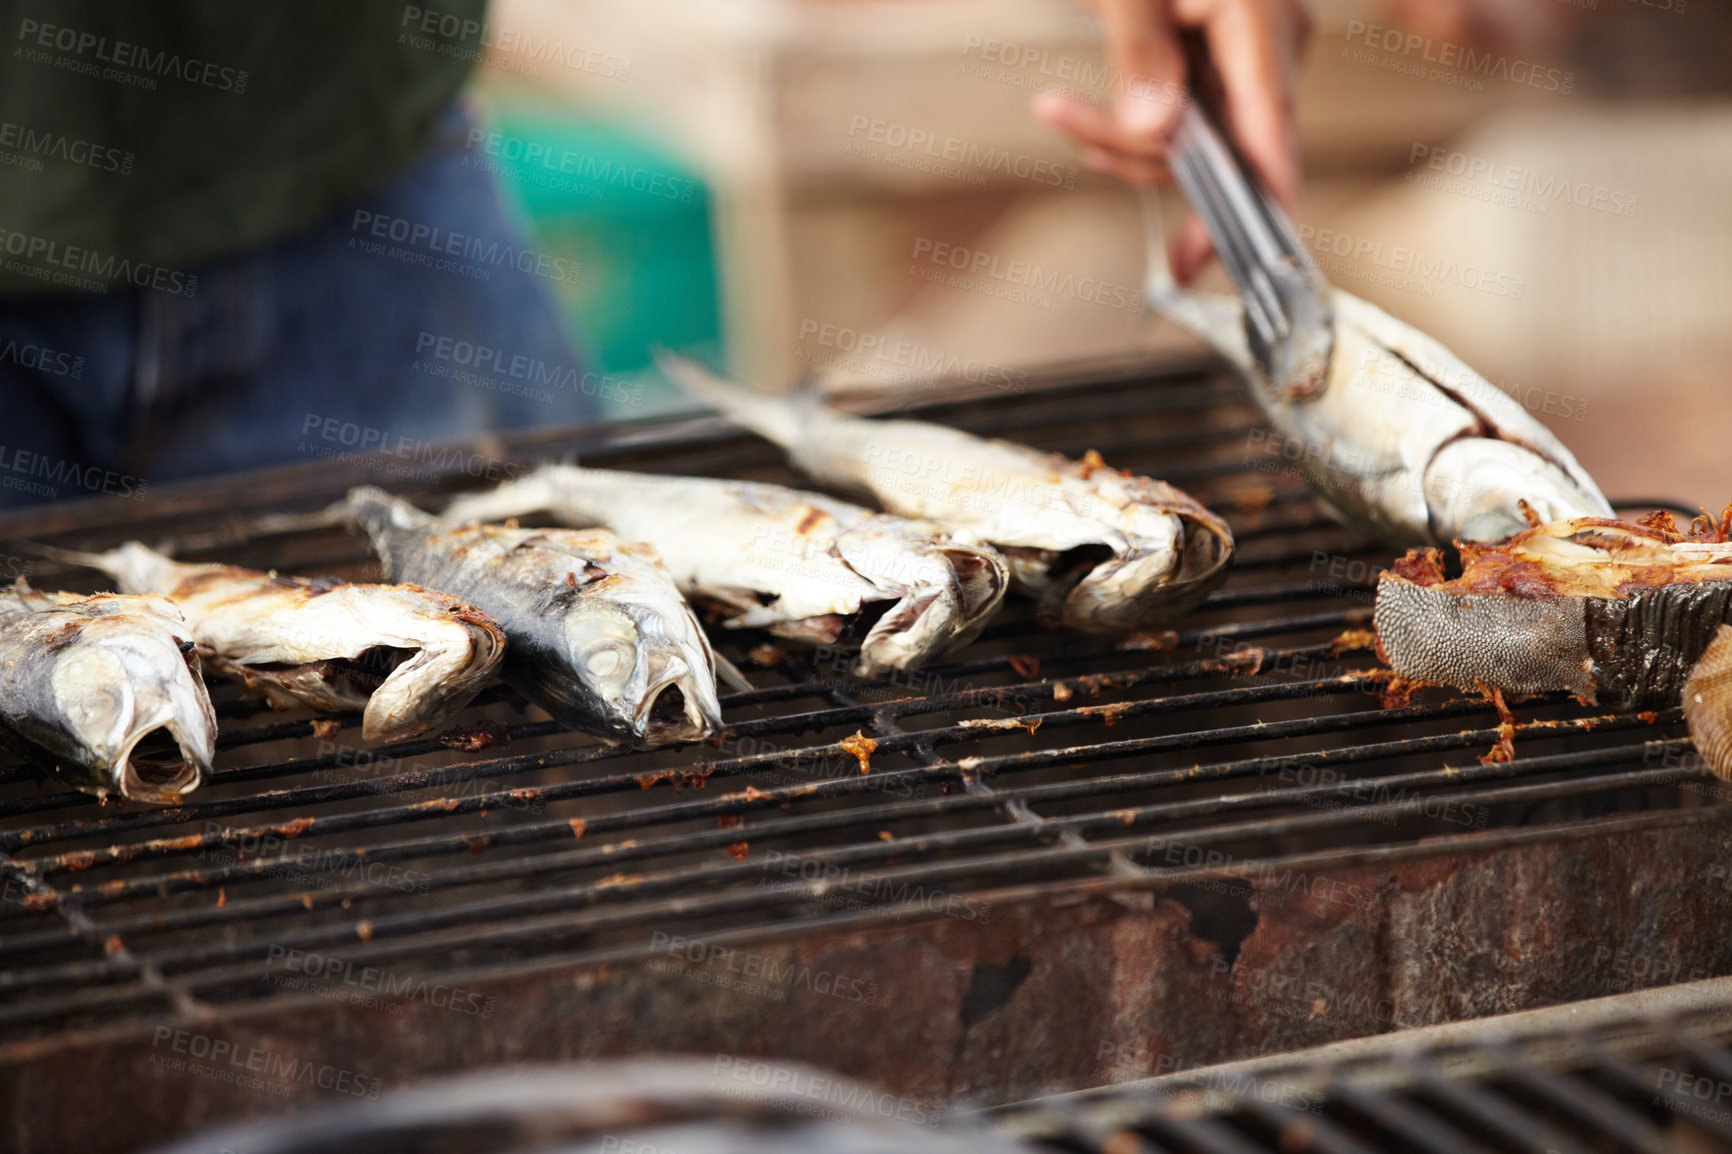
[800,565]
[1708,703]
[599,635]
[1614,612]
[406,656]
[1100,550]
[84,680]
[1403,438]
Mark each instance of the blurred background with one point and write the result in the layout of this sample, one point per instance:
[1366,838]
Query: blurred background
[855,189]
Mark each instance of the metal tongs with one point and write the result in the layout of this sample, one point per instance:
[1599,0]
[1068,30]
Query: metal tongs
[1288,320]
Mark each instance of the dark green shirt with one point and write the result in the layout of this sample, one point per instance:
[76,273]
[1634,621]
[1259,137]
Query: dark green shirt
[139,138]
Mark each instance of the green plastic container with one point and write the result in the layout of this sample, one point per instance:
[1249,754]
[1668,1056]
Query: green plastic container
[637,221]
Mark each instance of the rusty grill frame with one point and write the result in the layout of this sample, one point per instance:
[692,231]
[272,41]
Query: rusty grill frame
[120,925]
[1637,1074]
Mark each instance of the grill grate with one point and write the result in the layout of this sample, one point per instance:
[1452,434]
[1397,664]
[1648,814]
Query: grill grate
[1038,765]
[1649,1084]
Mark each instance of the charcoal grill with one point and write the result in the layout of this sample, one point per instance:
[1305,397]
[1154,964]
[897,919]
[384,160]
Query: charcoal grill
[1054,862]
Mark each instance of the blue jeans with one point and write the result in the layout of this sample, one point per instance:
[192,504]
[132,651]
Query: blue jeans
[415,317]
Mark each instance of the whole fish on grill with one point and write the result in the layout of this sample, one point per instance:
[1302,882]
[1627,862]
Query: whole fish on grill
[406,656]
[800,565]
[1617,613]
[85,680]
[1391,430]
[1102,550]
[1404,438]
[599,634]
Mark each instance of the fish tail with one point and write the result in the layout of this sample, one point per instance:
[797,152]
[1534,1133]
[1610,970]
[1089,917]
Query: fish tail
[531,493]
[76,557]
[774,418]
[378,512]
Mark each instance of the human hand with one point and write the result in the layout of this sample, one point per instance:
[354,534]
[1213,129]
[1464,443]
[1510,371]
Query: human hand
[1253,47]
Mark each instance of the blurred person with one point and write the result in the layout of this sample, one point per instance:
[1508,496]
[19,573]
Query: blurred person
[236,235]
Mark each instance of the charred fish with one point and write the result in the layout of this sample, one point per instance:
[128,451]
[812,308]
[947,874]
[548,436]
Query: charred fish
[316,640]
[598,635]
[1101,550]
[85,680]
[1617,613]
[799,565]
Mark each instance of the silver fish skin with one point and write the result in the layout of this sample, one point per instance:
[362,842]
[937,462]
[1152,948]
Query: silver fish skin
[799,565]
[1101,551]
[1403,438]
[296,639]
[84,679]
[598,634]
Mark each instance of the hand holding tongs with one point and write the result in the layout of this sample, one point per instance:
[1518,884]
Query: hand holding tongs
[1288,321]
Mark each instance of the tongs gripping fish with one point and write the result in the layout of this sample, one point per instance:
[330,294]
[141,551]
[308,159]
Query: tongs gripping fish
[1391,429]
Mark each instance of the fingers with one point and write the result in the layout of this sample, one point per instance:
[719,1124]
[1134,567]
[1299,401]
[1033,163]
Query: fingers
[1143,49]
[1254,46]
[1190,250]
[1130,139]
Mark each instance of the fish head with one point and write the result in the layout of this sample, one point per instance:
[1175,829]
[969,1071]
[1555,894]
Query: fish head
[120,691]
[1475,490]
[646,666]
[950,590]
[1151,578]
[460,648]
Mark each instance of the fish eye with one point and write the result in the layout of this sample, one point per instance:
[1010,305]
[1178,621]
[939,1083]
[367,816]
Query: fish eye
[96,707]
[603,645]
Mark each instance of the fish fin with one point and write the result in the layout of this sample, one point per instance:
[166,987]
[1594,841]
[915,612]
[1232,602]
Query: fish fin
[729,674]
[773,418]
[760,618]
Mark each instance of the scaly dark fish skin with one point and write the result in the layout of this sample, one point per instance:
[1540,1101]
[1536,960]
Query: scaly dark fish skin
[1614,612]
[1622,615]
[597,633]
[84,679]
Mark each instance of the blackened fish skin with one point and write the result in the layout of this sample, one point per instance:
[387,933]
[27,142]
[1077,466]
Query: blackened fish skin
[596,632]
[84,679]
[1616,613]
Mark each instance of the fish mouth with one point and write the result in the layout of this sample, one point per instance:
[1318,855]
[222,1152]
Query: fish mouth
[669,715]
[675,707]
[423,686]
[160,763]
[906,634]
[1141,591]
